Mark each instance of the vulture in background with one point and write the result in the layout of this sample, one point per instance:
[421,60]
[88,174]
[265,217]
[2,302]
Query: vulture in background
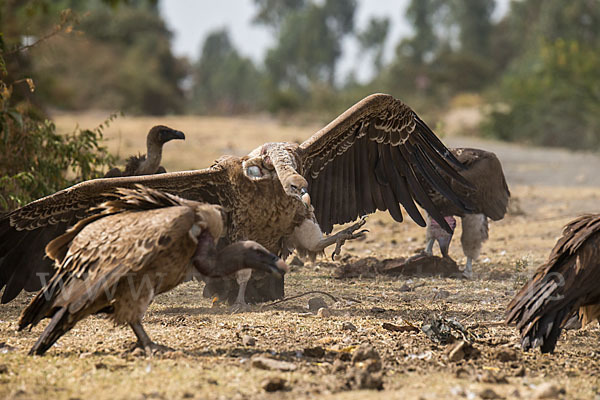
[149,163]
[137,245]
[567,283]
[489,200]
[375,156]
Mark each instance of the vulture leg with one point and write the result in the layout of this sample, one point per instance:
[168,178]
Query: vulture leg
[144,340]
[436,233]
[242,277]
[429,247]
[474,233]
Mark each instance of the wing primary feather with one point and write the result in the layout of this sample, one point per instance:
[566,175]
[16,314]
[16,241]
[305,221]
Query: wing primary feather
[435,143]
[421,196]
[439,183]
[326,200]
[352,208]
[375,187]
[385,186]
[362,173]
[401,190]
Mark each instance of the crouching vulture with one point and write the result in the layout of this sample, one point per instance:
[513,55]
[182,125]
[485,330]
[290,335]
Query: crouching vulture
[567,283]
[489,200]
[375,156]
[148,163]
[139,244]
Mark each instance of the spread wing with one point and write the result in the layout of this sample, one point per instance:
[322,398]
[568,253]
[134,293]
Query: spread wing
[568,280]
[106,249]
[369,158]
[25,232]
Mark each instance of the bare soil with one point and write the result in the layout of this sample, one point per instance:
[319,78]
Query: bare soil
[211,361]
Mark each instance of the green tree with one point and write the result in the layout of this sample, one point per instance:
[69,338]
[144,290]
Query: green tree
[224,81]
[373,38]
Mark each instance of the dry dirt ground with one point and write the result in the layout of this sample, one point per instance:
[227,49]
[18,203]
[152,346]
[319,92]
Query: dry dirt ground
[216,359]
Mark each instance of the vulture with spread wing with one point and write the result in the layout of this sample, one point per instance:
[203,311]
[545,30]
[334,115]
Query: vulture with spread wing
[148,163]
[567,283]
[375,156]
[136,246]
[489,200]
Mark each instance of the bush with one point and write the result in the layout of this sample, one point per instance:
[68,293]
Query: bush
[551,98]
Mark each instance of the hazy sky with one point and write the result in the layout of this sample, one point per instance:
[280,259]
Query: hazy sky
[191,20]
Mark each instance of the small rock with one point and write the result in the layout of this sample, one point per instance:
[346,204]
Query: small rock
[506,355]
[490,377]
[405,288]
[462,350]
[377,310]
[462,373]
[365,352]
[548,390]
[489,394]
[297,261]
[338,366]
[248,340]
[274,384]
[323,312]
[316,352]
[315,303]
[269,363]
[441,294]
[358,378]
[101,365]
[349,326]
[188,395]
[519,372]
[3,369]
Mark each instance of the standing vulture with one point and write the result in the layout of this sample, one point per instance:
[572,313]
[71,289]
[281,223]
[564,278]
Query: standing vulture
[149,163]
[375,156]
[489,200]
[565,284]
[140,244]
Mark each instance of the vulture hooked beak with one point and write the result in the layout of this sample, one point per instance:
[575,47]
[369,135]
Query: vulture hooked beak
[305,197]
[257,257]
[171,134]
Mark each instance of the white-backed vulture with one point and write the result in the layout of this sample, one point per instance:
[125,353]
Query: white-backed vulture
[567,283]
[375,156]
[141,243]
[149,163]
[489,200]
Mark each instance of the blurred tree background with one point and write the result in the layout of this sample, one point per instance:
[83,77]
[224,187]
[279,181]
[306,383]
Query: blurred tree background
[535,72]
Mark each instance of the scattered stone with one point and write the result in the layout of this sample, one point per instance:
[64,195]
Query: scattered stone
[248,340]
[316,352]
[3,369]
[365,352]
[349,326]
[188,395]
[548,390]
[271,364]
[506,355]
[297,262]
[315,303]
[462,373]
[520,372]
[101,365]
[338,366]
[399,328]
[489,394]
[441,294]
[323,312]
[275,384]
[405,288]
[343,356]
[490,377]
[360,379]
[377,310]
[462,350]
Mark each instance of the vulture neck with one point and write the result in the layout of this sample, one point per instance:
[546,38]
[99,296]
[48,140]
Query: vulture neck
[153,157]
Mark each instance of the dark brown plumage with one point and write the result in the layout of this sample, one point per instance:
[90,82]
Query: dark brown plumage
[142,243]
[149,163]
[282,195]
[565,284]
[489,199]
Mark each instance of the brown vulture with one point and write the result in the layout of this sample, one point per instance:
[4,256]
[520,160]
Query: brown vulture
[137,245]
[488,200]
[375,156]
[567,283]
[148,163]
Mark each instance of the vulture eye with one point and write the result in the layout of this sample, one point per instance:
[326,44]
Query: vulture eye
[254,172]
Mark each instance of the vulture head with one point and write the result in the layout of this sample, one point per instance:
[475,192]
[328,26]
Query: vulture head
[161,134]
[274,161]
